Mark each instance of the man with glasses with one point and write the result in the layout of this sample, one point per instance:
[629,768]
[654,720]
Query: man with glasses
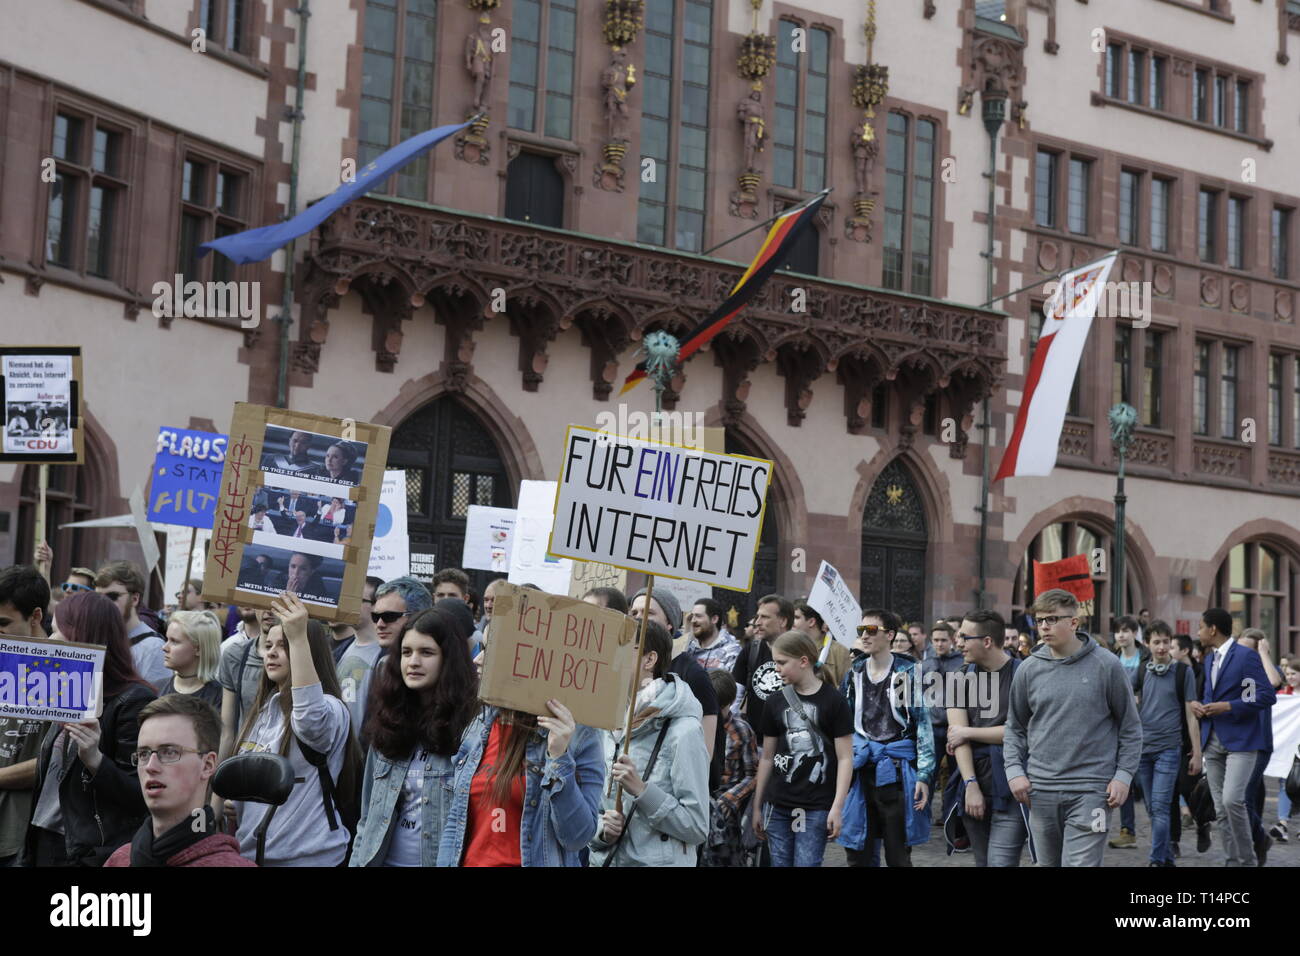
[121,583]
[175,758]
[396,602]
[1073,737]
[356,666]
[24,595]
[893,747]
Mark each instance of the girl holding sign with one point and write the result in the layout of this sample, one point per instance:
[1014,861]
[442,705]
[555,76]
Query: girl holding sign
[425,696]
[665,776]
[87,799]
[298,713]
[526,790]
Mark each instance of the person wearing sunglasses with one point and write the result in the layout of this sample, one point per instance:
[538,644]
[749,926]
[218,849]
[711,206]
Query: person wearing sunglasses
[396,602]
[356,666]
[175,758]
[1073,737]
[893,747]
[87,798]
[123,584]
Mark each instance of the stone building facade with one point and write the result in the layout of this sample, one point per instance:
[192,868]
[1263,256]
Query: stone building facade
[496,291]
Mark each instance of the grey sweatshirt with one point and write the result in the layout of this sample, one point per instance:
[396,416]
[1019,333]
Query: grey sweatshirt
[1072,725]
[299,834]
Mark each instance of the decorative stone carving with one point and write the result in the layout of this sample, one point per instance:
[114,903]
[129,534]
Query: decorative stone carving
[1162,280]
[1239,297]
[1219,460]
[1049,255]
[478,60]
[1284,469]
[1076,441]
[1154,450]
[1283,305]
[1211,290]
[800,366]
[754,126]
[616,81]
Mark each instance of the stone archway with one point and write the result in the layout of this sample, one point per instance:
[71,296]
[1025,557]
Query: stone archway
[895,539]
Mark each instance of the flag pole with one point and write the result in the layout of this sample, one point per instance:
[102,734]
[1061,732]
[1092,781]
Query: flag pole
[1035,285]
[767,222]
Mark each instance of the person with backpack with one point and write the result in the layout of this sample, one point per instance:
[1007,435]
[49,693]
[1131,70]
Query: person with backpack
[664,776]
[807,763]
[299,714]
[996,825]
[123,584]
[87,800]
[1165,689]
[425,697]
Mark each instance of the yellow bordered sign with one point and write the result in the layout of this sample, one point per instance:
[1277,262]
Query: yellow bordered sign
[660,508]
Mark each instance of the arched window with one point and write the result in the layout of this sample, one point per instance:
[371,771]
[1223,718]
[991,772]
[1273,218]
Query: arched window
[738,606]
[1257,585]
[66,500]
[1065,539]
[894,538]
[535,190]
[451,462]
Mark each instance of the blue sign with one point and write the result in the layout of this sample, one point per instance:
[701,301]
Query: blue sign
[49,680]
[187,477]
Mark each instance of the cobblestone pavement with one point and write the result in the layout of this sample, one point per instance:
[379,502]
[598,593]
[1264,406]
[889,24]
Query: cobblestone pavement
[1280,854]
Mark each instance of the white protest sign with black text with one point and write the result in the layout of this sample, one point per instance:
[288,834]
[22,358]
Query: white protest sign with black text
[831,598]
[390,550]
[662,509]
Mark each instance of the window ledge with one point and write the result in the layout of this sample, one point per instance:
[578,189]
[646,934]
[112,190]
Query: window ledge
[1100,99]
[237,60]
[1193,7]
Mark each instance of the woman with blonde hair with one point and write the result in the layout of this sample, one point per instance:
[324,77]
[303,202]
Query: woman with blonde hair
[193,652]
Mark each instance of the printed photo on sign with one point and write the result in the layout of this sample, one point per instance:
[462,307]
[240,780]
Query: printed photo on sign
[37,400]
[314,578]
[304,454]
[288,513]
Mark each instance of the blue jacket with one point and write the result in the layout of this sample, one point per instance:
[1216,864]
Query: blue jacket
[889,760]
[381,792]
[561,796]
[1243,683]
[907,700]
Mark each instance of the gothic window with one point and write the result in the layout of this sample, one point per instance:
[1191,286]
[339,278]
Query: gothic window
[451,462]
[1065,539]
[894,539]
[1257,585]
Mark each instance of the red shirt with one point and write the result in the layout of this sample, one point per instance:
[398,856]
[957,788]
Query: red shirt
[1286,689]
[485,844]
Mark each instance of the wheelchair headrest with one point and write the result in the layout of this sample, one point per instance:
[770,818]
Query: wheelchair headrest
[259,777]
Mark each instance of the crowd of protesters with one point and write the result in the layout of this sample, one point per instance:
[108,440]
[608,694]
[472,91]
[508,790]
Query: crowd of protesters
[1016,742]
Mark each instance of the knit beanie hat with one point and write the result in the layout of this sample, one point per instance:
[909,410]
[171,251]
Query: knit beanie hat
[667,602]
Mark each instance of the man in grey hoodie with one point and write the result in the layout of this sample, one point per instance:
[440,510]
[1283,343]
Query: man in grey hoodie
[1073,737]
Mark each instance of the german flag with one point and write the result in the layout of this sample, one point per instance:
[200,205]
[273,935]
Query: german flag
[771,256]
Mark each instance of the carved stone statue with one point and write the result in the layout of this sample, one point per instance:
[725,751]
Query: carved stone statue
[619,77]
[864,155]
[750,114]
[478,60]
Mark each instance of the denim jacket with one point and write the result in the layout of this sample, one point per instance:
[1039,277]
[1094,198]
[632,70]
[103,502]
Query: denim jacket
[561,795]
[381,794]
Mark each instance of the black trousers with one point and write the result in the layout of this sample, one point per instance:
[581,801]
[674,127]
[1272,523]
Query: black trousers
[886,820]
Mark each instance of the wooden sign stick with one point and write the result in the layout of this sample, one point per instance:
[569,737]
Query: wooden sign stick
[636,681]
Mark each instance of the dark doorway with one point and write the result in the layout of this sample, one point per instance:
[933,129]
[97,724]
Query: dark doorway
[894,540]
[451,462]
[738,606]
[535,190]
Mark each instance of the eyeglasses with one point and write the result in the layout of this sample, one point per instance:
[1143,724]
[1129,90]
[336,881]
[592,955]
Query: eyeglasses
[871,630]
[71,586]
[1051,619]
[388,617]
[167,753]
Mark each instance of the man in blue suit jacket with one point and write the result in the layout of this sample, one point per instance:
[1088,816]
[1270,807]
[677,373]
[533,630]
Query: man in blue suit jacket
[1236,704]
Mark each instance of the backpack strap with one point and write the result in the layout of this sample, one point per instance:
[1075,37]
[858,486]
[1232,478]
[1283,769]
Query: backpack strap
[650,765]
[328,795]
[795,704]
[1142,679]
[239,683]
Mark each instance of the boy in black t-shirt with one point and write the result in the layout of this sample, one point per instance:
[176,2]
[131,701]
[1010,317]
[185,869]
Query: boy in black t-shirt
[807,762]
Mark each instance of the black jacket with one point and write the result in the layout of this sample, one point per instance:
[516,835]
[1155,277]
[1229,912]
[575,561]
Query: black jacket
[102,812]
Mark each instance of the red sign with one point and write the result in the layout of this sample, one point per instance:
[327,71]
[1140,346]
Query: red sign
[1071,574]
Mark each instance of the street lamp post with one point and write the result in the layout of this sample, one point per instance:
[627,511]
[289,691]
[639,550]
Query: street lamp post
[1122,418]
[994,104]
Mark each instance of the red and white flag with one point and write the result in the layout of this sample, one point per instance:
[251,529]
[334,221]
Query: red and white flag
[1067,317]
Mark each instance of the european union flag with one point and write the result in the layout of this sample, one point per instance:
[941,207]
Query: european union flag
[254,245]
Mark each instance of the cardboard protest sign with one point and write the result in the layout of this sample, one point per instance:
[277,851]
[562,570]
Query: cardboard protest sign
[831,598]
[547,646]
[390,551]
[1072,574]
[489,538]
[186,477]
[294,489]
[662,509]
[43,419]
[50,680]
[592,574]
